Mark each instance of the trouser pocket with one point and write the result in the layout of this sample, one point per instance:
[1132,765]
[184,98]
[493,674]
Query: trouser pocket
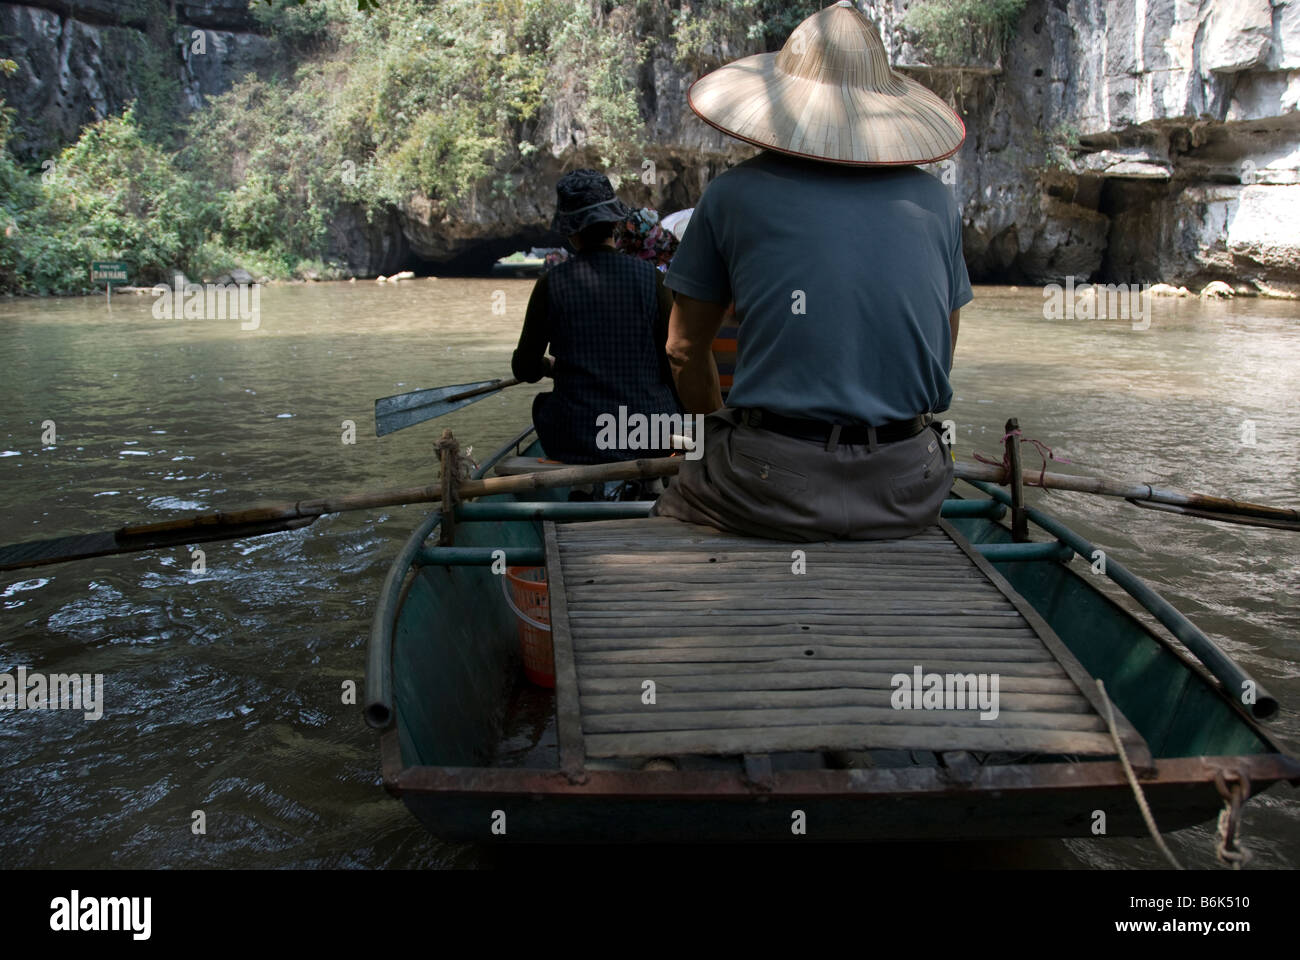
[765,466]
[926,470]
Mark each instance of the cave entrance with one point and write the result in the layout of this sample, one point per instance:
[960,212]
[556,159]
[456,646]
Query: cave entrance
[1136,209]
[478,259]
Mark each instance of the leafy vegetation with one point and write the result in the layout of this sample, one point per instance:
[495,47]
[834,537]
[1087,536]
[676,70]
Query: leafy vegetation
[706,35]
[372,105]
[1059,145]
[111,195]
[149,59]
[958,32]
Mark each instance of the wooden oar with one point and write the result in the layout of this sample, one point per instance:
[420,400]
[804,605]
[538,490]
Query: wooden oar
[1146,495]
[272,518]
[1248,521]
[407,409]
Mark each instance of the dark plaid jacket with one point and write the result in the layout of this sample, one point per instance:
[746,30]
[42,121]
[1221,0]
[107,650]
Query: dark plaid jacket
[605,335]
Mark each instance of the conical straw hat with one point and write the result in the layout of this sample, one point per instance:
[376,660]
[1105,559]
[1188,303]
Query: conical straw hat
[829,94]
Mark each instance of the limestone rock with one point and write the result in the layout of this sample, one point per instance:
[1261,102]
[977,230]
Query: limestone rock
[81,62]
[1239,36]
[368,246]
[1262,232]
[227,56]
[1134,162]
[1107,140]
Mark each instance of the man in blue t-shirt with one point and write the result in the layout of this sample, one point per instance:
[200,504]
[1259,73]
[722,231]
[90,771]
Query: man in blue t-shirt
[845,264]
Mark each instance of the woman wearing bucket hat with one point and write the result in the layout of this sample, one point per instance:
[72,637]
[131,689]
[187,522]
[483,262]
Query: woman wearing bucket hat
[604,316]
[845,264]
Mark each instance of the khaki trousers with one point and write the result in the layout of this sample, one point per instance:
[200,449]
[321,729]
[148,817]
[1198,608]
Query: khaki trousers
[765,484]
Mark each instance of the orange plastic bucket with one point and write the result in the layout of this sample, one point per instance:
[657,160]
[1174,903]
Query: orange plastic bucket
[529,598]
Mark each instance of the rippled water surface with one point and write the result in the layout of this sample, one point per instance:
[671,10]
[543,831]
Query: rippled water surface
[223,690]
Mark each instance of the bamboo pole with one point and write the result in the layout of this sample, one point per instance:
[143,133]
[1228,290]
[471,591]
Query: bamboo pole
[252,521]
[663,467]
[468,489]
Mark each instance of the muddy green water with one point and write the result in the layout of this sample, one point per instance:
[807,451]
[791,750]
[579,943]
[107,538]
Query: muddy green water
[223,691]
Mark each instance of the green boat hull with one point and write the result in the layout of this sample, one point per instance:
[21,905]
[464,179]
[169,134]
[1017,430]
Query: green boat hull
[470,747]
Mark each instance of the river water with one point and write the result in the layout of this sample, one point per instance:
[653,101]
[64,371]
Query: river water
[223,690]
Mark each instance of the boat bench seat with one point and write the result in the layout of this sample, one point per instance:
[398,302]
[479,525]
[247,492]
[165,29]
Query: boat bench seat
[673,639]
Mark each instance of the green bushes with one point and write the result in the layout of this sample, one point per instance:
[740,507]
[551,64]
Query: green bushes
[19,198]
[299,27]
[958,32]
[110,196]
[411,99]
[415,98]
[265,154]
[708,34]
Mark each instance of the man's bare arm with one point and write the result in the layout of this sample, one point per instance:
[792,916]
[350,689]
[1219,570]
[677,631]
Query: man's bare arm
[954,323]
[691,328]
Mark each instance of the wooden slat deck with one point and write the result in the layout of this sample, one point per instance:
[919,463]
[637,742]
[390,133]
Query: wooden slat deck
[749,657]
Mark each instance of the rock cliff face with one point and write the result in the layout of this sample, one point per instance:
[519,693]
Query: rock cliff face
[81,61]
[1134,140]
[1116,140]
[1138,140]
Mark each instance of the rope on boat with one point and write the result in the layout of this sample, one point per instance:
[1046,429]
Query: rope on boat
[469,467]
[1044,451]
[1132,780]
[1234,798]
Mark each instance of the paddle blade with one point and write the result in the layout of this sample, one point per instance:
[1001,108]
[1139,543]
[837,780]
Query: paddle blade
[1221,516]
[407,409]
[38,553]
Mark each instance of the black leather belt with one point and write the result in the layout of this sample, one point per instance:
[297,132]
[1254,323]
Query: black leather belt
[821,432]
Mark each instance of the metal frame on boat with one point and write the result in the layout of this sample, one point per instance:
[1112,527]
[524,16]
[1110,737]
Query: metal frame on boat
[442,669]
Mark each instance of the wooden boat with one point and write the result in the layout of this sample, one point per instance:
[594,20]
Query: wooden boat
[772,717]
